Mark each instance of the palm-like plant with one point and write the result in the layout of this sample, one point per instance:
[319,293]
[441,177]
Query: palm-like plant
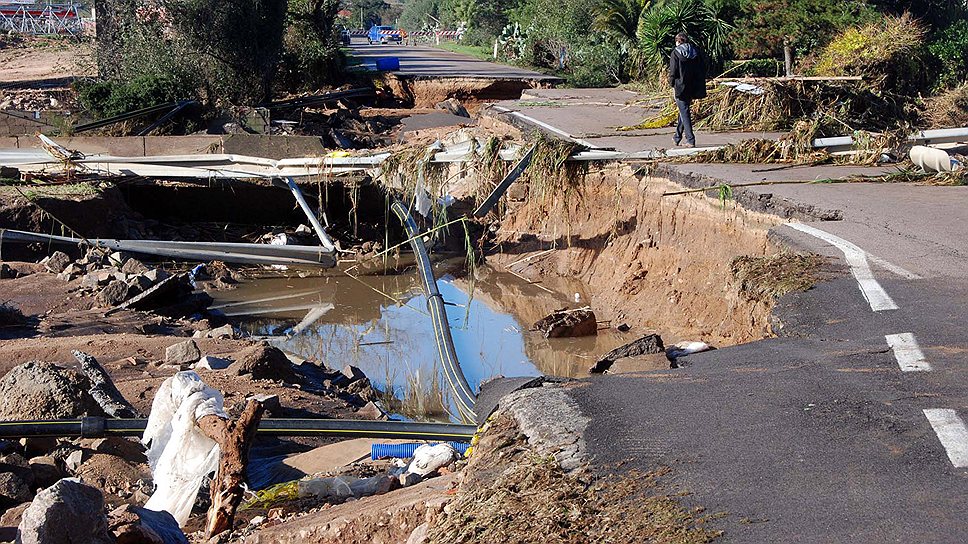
[646,29]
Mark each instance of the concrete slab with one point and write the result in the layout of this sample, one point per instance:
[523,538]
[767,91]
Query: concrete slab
[182,145]
[331,457]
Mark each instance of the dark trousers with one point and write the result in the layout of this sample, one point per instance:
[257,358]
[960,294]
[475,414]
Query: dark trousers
[684,126]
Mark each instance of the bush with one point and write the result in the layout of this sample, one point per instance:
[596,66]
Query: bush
[114,97]
[595,66]
[950,50]
[754,68]
[311,54]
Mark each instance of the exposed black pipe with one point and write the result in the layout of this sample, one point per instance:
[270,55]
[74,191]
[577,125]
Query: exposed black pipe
[435,304]
[95,427]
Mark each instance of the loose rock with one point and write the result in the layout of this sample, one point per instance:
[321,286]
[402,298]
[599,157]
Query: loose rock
[132,524]
[182,353]
[262,361]
[113,294]
[568,323]
[647,345]
[212,363]
[57,262]
[67,511]
[16,481]
[45,391]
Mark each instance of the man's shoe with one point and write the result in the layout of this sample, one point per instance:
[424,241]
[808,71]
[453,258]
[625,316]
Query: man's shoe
[688,145]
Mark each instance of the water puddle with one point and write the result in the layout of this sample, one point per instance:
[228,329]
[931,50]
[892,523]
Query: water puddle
[381,325]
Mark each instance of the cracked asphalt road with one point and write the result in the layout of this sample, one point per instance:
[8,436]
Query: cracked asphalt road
[817,435]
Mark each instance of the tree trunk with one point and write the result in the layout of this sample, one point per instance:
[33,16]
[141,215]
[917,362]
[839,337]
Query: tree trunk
[234,438]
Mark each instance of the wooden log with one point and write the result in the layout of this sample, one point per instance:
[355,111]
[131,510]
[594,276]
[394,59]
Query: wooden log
[234,439]
[103,389]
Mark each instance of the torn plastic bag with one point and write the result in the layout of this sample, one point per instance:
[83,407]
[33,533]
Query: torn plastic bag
[179,454]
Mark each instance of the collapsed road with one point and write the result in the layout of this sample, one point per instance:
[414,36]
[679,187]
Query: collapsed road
[832,410]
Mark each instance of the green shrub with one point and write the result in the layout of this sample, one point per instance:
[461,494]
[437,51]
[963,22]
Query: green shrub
[114,97]
[950,50]
[754,68]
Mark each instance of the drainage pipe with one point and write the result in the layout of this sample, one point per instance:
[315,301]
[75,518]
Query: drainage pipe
[323,237]
[435,304]
[93,427]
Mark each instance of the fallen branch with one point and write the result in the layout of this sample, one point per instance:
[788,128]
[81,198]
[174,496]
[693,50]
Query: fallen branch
[234,439]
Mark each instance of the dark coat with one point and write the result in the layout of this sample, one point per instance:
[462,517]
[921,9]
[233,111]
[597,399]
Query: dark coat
[687,72]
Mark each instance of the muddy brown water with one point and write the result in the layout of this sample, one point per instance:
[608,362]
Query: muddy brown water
[381,325]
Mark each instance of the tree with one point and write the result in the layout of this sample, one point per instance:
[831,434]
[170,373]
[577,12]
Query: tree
[765,25]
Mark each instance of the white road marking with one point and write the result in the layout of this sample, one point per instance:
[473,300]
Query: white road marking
[545,126]
[856,258]
[952,433]
[908,354]
[891,267]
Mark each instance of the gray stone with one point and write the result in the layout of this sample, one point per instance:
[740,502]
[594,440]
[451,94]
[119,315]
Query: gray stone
[70,272]
[46,470]
[182,353]
[410,478]
[155,275]
[57,262]
[568,323]
[66,512]
[44,391]
[75,460]
[117,259]
[212,363]
[453,106]
[374,485]
[646,345]
[90,281]
[133,266]
[137,285]
[16,480]
[420,534]
[132,524]
[225,331]
[113,294]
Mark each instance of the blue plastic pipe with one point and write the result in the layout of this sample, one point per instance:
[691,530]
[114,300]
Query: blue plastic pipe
[383,451]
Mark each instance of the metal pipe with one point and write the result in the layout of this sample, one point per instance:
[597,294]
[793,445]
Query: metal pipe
[314,256]
[323,237]
[93,427]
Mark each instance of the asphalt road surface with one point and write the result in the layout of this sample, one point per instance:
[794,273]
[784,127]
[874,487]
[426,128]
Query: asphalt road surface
[430,62]
[848,427]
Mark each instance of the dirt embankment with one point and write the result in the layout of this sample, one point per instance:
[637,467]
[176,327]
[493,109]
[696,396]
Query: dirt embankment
[651,261]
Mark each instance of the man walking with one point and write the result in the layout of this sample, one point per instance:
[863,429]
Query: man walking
[687,75]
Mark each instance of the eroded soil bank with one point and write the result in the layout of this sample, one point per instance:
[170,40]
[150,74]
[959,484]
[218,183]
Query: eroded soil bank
[653,262]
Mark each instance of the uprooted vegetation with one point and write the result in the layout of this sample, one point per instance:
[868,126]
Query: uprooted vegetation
[511,494]
[772,276]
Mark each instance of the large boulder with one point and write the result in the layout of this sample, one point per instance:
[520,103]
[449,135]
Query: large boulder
[66,512]
[262,362]
[36,390]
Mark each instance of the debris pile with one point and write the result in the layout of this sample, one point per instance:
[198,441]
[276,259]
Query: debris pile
[568,323]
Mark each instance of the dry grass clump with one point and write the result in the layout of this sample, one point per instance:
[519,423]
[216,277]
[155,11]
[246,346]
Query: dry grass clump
[551,178]
[11,316]
[887,54]
[948,109]
[770,277]
[533,500]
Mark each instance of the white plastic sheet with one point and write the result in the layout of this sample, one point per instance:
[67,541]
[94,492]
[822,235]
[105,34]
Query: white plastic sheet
[179,454]
[427,458]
